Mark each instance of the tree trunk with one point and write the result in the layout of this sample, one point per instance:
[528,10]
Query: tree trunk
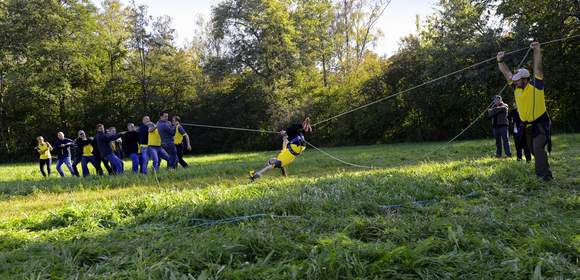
[4,147]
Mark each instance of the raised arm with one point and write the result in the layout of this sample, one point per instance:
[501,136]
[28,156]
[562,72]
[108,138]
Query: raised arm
[538,71]
[505,70]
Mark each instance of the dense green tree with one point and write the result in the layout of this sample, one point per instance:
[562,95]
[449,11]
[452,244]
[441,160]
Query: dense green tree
[66,65]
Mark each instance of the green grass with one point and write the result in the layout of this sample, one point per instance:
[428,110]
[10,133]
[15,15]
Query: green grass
[327,220]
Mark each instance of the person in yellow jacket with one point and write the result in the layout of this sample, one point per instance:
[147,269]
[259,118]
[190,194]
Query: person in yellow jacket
[154,150]
[45,159]
[181,140]
[531,104]
[293,145]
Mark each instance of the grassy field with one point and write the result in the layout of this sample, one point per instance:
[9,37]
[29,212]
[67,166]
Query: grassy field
[463,215]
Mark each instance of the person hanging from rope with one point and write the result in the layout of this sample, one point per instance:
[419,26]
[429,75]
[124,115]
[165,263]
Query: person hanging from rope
[293,145]
[531,103]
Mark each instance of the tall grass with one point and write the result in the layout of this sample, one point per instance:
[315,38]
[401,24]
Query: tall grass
[324,221]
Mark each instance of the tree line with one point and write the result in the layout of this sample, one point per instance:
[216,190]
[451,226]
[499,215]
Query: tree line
[68,65]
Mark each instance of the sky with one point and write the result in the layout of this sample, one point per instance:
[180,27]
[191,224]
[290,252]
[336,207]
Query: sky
[397,21]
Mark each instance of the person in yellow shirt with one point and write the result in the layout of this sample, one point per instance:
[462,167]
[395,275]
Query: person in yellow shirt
[85,151]
[45,159]
[154,149]
[531,104]
[293,145]
[181,140]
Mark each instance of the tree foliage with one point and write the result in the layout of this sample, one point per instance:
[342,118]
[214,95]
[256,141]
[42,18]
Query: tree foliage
[67,65]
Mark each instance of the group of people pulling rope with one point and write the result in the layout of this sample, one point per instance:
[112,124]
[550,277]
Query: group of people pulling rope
[528,95]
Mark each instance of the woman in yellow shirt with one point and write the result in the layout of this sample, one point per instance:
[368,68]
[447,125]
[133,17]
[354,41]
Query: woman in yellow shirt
[45,159]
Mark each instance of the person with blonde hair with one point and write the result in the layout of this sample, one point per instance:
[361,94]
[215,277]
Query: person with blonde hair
[45,158]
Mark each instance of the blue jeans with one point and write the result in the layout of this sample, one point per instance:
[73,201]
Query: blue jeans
[85,164]
[135,162]
[116,163]
[172,152]
[501,137]
[144,159]
[66,161]
[155,153]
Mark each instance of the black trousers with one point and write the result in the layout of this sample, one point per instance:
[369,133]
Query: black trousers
[537,139]
[180,150]
[98,161]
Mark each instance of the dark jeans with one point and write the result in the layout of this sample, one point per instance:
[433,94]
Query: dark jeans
[85,164]
[154,153]
[98,161]
[521,145]
[172,152]
[180,150]
[502,137]
[45,162]
[116,163]
[76,162]
[537,139]
[135,162]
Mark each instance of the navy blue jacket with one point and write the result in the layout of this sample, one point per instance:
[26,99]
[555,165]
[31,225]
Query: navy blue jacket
[166,131]
[295,134]
[143,134]
[104,143]
[63,152]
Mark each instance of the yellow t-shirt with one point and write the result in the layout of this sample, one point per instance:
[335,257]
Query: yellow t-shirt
[179,133]
[44,151]
[530,100]
[154,140]
[88,150]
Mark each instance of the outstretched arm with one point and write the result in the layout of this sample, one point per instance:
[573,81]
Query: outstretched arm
[538,71]
[505,70]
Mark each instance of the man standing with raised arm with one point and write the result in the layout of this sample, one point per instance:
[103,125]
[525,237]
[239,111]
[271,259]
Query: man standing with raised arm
[531,103]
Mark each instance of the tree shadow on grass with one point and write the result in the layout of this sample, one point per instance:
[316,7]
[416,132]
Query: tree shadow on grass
[340,231]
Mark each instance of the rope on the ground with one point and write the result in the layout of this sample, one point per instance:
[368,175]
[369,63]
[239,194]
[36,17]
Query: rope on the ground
[206,222]
[230,128]
[435,80]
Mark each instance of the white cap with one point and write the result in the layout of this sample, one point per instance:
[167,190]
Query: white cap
[520,74]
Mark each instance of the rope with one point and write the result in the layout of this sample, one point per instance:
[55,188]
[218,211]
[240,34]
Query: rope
[394,95]
[480,115]
[206,222]
[436,150]
[230,128]
[435,80]
[338,159]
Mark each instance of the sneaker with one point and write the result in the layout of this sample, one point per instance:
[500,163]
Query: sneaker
[283,170]
[519,159]
[253,176]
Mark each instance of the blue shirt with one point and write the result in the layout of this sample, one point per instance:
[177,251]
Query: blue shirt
[104,143]
[166,131]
